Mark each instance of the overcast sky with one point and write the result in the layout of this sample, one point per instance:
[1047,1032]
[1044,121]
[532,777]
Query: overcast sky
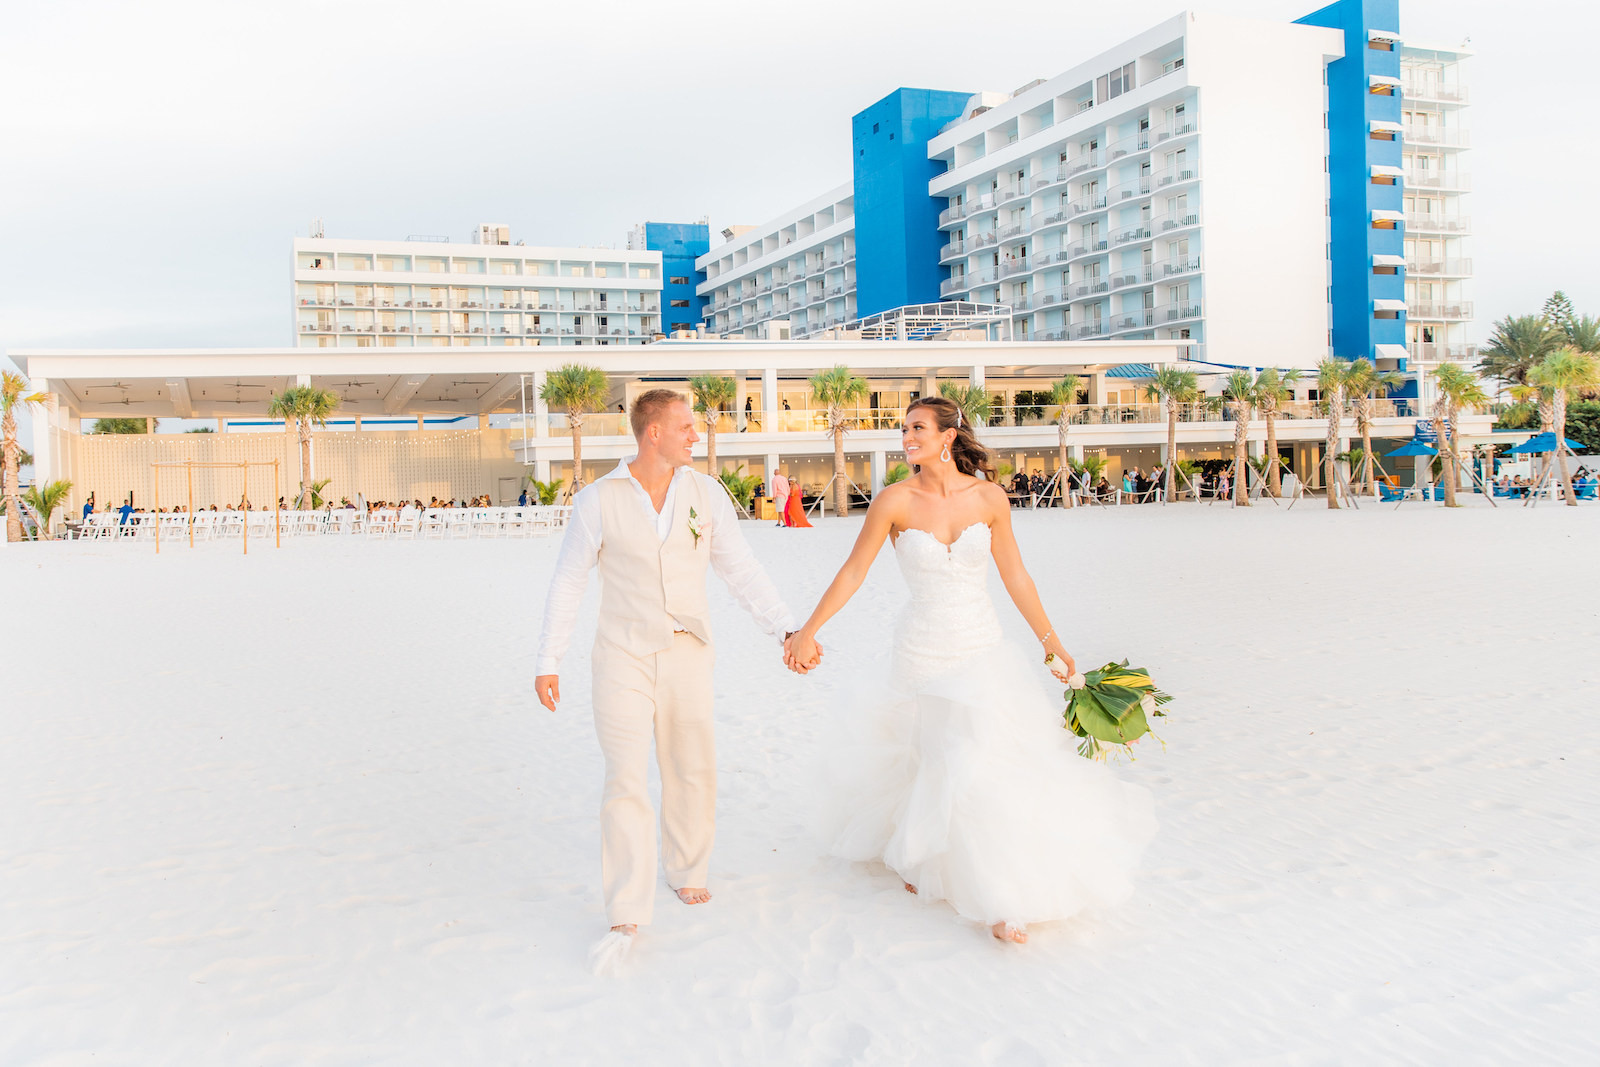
[158,157]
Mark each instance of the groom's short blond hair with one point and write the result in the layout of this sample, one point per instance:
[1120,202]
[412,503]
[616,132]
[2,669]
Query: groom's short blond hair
[647,409]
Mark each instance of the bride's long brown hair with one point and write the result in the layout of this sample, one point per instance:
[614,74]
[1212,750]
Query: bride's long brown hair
[970,457]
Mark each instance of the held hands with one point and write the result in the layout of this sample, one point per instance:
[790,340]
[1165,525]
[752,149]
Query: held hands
[801,654]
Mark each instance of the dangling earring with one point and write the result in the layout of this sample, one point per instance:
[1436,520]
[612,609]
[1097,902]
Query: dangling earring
[945,455]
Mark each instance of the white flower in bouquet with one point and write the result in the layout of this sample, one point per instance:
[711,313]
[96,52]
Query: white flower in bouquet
[1148,703]
[1077,681]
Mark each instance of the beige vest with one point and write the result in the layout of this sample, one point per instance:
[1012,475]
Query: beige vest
[650,587]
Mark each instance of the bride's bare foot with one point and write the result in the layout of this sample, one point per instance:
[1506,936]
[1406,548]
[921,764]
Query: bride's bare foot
[1007,932]
[909,887]
[626,928]
[694,896]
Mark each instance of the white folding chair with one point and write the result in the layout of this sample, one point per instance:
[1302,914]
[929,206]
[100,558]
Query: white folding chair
[432,525]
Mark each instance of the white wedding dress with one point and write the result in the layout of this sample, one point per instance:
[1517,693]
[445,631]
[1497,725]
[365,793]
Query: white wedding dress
[962,778]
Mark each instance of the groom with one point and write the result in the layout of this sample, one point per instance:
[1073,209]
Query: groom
[653,526]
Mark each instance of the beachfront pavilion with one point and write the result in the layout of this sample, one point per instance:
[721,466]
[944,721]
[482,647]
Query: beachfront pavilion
[459,422]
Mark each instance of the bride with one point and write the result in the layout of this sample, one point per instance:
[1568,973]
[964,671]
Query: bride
[963,780]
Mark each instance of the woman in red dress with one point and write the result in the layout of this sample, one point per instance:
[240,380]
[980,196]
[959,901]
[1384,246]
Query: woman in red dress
[794,512]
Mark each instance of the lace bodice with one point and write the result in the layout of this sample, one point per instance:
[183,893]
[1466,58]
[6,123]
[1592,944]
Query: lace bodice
[950,617]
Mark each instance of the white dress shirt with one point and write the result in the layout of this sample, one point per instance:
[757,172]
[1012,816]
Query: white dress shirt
[731,558]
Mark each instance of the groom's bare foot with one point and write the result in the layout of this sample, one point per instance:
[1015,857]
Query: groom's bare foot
[1007,932]
[909,887]
[626,928]
[694,896]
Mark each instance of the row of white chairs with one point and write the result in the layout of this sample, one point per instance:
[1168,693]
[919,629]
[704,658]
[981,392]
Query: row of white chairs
[461,523]
[388,523]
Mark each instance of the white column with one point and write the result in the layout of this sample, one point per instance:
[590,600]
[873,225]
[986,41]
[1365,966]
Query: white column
[772,461]
[302,379]
[769,398]
[879,467]
[741,390]
[45,463]
[977,376]
[541,467]
[930,385]
[541,414]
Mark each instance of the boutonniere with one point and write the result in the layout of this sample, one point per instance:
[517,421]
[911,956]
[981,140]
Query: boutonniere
[694,527]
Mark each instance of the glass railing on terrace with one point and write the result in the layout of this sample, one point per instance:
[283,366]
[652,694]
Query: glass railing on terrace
[1439,223]
[1445,312]
[1419,89]
[1449,136]
[1437,179]
[1449,267]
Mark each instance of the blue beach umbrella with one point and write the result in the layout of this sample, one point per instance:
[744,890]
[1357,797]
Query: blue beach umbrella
[1415,448]
[1544,442]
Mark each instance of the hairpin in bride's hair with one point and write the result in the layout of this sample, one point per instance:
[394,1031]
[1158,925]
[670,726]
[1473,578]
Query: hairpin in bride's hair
[958,418]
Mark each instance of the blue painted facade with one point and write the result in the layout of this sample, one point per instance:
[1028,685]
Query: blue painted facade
[897,222]
[679,243]
[1353,197]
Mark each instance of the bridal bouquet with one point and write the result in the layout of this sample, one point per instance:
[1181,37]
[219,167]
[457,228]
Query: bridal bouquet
[1111,707]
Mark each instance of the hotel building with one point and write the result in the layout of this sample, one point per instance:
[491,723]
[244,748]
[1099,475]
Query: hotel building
[791,277]
[433,292]
[1266,193]
[1438,267]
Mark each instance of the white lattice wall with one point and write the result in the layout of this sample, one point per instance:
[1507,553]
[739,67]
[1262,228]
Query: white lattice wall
[387,465]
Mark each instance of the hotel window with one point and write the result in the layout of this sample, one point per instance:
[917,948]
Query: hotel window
[678,303]
[677,281]
[1172,65]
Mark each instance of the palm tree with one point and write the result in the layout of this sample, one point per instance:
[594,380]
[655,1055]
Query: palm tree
[1093,466]
[1273,387]
[838,391]
[1239,392]
[1516,344]
[710,392]
[1064,394]
[974,401]
[576,389]
[1563,370]
[1174,387]
[1365,385]
[305,406]
[1584,334]
[1454,388]
[12,386]
[1333,377]
[45,499]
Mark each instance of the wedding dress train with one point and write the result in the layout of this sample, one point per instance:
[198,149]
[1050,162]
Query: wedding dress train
[962,779]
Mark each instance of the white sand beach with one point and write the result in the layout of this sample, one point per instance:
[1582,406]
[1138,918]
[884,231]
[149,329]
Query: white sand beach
[301,807]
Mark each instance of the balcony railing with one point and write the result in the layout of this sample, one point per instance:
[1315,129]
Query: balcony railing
[1423,90]
[1448,136]
[1127,278]
[1138,233]
[1012,191]
[1086,161]
[1089,289]
[1438,223]
[1014,265]
[1177,266]
[1087,204]
[1445,312]
[951,286]
[1437,179]
[1439,352]
[1089,329]
[1174,222]
[1046,219]
[1455,268]
[1014,229]
[1174,177]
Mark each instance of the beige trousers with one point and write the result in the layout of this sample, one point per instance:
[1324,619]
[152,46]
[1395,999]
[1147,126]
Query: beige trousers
[667,696]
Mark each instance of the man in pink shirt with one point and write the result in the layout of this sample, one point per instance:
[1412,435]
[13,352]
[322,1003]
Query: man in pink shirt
[780,492]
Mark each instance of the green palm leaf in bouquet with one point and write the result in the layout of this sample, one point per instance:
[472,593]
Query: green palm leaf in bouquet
[1111,708]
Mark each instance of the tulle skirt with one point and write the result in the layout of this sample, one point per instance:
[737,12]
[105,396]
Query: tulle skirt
[969,788]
